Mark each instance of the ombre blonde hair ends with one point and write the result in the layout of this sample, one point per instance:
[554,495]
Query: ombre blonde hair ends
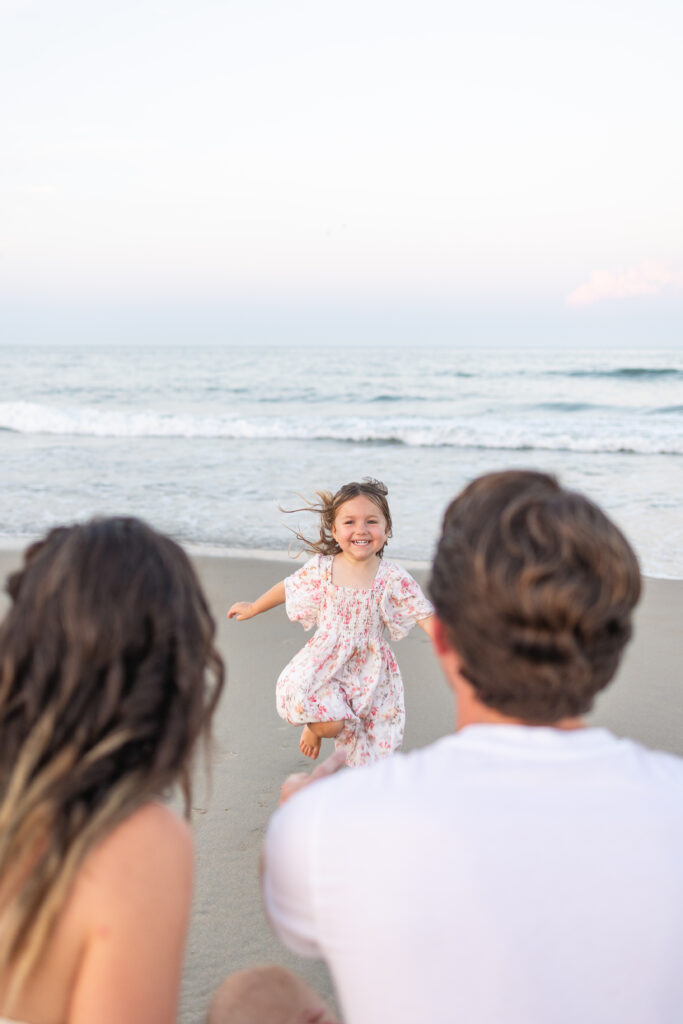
[108,678]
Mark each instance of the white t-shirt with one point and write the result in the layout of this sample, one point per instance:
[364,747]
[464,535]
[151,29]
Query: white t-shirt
[505,875]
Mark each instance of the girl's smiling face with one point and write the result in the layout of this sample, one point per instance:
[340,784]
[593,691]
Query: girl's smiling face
[359,528]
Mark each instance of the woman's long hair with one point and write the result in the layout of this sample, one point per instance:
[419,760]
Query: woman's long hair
[108,678]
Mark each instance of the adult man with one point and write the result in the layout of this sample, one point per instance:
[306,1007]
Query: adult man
[528,868]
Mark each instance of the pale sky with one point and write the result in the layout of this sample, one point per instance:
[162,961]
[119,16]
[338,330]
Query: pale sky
[246,170]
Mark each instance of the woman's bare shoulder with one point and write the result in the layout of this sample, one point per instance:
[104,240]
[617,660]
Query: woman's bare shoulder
[124,923]
[150,848]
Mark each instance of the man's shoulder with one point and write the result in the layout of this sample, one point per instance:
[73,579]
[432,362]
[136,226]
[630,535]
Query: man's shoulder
[391,777]
[661,766]
[486,758]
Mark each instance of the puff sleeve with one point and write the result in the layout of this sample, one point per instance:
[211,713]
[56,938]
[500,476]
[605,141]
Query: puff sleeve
[302,593]
[403,603]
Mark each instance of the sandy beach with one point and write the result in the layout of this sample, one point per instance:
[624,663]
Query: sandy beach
[254,750]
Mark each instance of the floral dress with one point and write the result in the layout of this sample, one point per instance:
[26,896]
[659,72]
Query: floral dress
[347,670]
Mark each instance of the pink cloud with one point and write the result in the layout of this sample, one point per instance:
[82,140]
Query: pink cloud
[647,279]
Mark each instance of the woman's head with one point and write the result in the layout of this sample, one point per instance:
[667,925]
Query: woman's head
[108,643]
[536,587]
[329,507]
[108,678]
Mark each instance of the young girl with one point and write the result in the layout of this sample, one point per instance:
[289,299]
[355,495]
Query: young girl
[345,682]
[108,680]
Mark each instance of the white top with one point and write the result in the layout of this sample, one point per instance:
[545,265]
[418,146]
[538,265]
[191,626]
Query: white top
[504,875]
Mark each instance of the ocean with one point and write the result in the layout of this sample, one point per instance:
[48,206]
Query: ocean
[207,442]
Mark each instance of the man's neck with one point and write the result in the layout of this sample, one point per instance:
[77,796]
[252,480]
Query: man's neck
[469,710]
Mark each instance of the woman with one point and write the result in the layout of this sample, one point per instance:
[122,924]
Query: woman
[108,680]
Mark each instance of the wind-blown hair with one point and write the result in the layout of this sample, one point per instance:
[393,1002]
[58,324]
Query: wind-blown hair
[535,586]
[328,505]
[108,678]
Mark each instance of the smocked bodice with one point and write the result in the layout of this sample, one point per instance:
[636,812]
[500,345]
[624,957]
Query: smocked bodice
[350,613]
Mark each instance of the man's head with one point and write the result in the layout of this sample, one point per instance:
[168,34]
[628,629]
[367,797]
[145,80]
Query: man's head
[535,587]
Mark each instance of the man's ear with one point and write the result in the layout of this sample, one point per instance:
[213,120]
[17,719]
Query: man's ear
[446,653]
[440,639]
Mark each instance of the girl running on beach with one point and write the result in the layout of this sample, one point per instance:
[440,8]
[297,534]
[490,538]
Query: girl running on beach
[345,683]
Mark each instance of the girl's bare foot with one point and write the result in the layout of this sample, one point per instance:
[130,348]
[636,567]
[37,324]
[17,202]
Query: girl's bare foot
[309,743]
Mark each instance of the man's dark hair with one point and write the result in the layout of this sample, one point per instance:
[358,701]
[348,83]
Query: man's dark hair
[536,587]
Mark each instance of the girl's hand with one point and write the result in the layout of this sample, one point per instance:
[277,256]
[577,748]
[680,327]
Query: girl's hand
[242,610]
[247,609]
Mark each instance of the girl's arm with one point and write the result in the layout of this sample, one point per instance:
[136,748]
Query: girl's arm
[247,609]
[428,626]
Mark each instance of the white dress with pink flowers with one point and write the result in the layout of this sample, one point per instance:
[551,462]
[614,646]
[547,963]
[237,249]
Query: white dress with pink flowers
[347,669]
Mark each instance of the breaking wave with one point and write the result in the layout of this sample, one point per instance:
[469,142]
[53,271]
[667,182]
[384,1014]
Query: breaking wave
[542,433]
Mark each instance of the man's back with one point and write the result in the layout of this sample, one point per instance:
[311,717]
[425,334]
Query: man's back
[506,875]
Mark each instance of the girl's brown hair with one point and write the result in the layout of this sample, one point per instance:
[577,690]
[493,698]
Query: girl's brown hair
[327,507]
[108,678]
[536,587]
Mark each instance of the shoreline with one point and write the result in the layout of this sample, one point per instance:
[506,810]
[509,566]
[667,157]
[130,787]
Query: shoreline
[254,750]
[14,545]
